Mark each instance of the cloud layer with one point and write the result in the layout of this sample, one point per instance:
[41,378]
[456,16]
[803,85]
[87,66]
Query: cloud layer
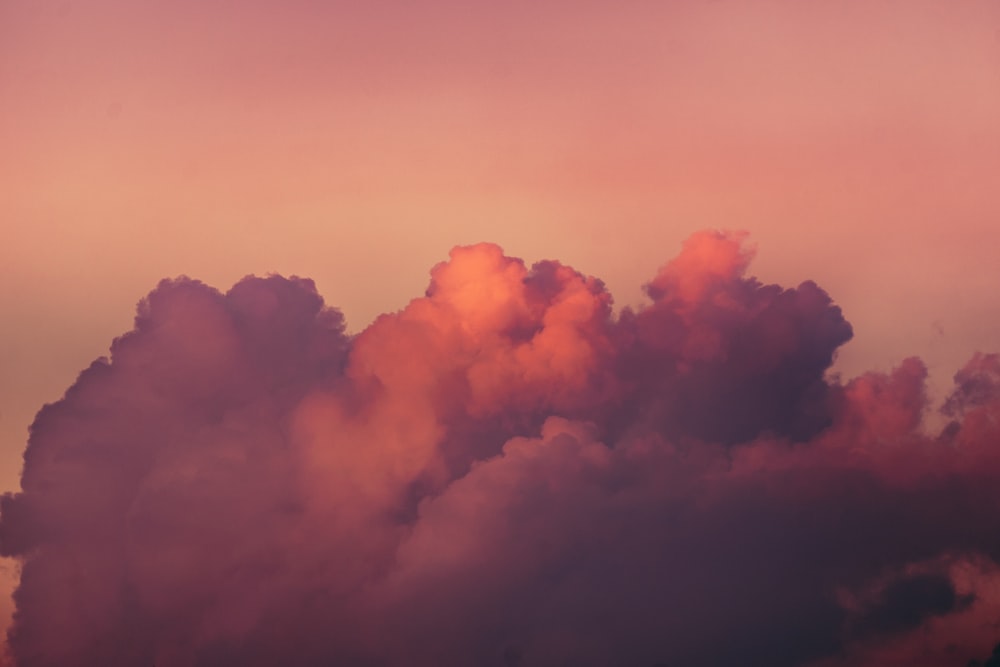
[505,473]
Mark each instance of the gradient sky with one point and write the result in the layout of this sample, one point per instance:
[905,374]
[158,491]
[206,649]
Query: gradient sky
[356,143]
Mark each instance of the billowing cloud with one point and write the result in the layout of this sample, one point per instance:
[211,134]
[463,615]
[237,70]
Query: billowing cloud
[505,473]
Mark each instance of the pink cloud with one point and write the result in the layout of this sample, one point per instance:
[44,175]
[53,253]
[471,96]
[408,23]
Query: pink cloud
[503,473]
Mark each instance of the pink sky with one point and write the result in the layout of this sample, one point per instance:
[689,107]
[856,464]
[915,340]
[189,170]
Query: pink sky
[355,143]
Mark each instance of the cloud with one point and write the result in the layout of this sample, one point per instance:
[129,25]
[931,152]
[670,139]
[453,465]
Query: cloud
[502,473]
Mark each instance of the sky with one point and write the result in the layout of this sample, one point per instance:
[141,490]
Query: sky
[355,144]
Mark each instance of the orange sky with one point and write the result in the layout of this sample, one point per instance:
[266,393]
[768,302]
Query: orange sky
[355,143]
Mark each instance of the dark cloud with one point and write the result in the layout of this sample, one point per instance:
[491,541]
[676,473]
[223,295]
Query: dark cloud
[992,661]
[502,473]
[906,602]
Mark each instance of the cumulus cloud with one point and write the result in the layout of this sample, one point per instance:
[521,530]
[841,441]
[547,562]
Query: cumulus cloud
[504,473]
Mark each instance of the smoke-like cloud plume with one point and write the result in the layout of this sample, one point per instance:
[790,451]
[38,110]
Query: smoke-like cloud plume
[505,473]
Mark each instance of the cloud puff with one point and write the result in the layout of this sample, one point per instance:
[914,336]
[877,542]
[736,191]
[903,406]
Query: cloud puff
[503,473]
